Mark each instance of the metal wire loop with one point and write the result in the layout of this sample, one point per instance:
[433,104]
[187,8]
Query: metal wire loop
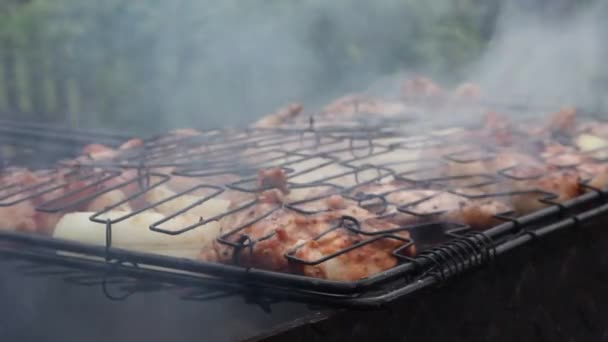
[108,238]
[244,241]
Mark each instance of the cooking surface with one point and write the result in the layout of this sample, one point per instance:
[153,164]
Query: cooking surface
[316,199]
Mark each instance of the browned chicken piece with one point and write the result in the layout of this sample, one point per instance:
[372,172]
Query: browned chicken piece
[521,189]
[125,185]
[77,191]
[420,87]
[350,106]
[595,175]
[21,216]
[477,213]
[537,183]
[499,128]
[132,143]
[486,163]
[361,262]
[29,189]
[282,116]
[272,178]
[284,230]
[506,159]
[410,206]
[562,122]
[558,155]
[99,152]
[597,128]
[345,105]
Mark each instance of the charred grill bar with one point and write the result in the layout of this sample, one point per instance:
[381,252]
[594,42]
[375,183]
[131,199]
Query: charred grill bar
[329,159]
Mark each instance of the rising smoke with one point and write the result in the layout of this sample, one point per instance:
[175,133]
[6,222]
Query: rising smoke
[237,64]
[314,51]
[215,63]
[543,58]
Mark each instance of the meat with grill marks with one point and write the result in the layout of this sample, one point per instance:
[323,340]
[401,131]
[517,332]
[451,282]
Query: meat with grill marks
[408,206]
[284,231]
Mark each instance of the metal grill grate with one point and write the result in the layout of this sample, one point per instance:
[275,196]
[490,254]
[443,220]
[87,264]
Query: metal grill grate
[372,165]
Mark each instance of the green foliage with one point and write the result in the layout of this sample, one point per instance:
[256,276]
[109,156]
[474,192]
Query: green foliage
[202,62]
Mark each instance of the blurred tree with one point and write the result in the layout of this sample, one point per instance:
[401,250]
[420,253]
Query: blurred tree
[150,64]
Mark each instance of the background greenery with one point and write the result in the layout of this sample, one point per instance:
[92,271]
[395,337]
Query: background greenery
[153,64]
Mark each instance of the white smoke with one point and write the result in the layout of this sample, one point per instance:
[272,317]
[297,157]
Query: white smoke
[545,59]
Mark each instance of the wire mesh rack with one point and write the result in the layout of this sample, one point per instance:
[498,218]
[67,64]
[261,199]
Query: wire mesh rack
[40,145]
[399,198]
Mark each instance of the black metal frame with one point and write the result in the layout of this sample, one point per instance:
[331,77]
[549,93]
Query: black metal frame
[465,249]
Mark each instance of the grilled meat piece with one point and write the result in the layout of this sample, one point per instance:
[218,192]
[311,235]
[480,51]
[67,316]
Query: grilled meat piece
[498,127]
[272,178]
[270,231]
[23,191]
[410,206]
[99,152]
[370,257]
[480,162]
[563,121]
[420,87]
[533,185]
[282,116]
[132,143]
[595,175]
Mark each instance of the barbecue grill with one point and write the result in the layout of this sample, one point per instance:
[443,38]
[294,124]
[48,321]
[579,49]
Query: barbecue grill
[354,155]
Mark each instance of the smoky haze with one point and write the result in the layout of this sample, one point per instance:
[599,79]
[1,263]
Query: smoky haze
[152,65]
[246,65]
[547,59]
[221,66]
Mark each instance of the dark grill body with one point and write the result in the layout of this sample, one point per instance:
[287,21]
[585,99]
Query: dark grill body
[552,290]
